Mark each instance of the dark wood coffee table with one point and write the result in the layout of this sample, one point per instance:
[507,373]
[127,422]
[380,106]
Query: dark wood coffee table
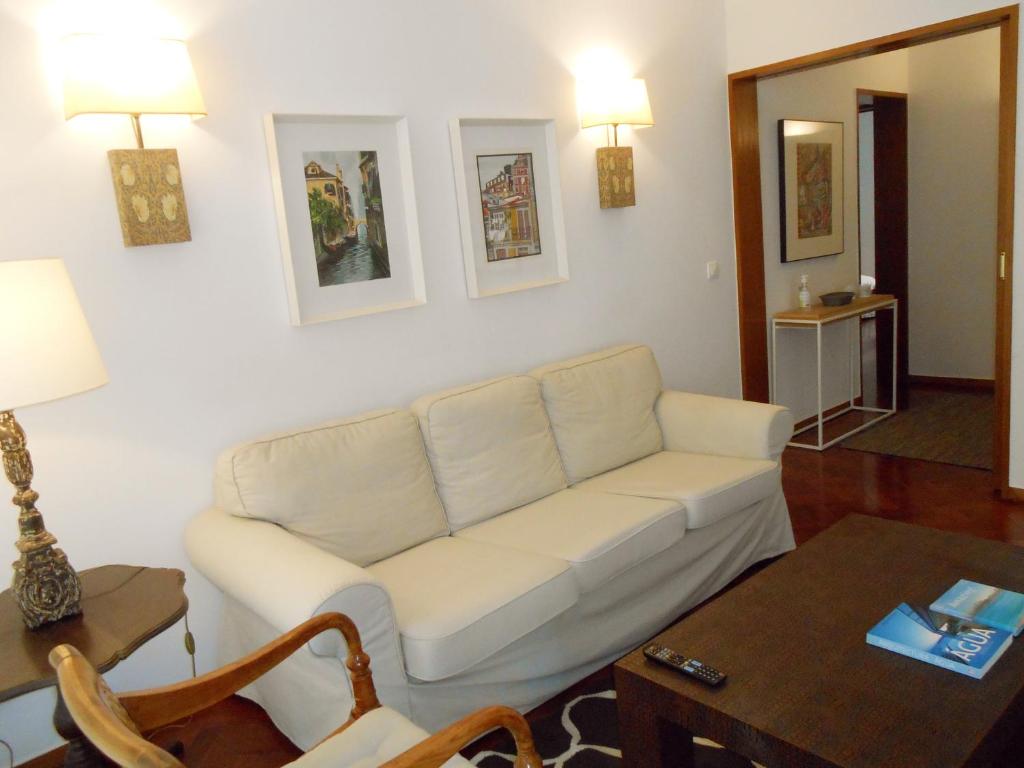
[805,689]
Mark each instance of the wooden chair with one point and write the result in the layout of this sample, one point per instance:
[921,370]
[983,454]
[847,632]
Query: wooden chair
[114,723]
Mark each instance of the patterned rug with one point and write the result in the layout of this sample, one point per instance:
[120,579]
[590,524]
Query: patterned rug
[585,735]
[945,426]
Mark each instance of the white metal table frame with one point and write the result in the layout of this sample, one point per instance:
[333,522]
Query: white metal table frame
[818,323]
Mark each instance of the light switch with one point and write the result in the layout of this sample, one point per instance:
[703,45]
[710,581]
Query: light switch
[712,267]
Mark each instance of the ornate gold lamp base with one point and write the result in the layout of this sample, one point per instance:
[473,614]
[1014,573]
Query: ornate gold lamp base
[150,198]
[615,177]
[45,585]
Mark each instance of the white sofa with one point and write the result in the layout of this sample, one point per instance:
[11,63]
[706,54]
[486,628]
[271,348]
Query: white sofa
[493,544]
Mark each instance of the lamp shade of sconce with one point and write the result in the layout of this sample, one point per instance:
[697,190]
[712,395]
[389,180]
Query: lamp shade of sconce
[105,74]
[614,102]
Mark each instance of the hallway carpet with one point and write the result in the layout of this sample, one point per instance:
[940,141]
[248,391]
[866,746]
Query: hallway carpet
[951,427]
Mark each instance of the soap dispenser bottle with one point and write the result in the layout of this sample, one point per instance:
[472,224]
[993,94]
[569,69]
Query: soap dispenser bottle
[805,293]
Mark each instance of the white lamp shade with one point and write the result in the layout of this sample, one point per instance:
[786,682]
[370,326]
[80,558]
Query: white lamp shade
[106,74]
[46,349]
[613,102]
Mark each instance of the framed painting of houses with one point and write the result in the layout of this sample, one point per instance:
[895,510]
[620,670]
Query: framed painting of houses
[346,215]
[810,189]
[510,204]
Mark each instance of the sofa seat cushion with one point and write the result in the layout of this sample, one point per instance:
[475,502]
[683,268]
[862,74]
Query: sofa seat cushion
[359,488]
[490,446]
[711,487]
[458,601]
[599,534]
[602,408]
[376,737]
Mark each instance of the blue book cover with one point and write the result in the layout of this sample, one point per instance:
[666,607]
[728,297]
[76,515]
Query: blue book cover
[946,641]
[991,606]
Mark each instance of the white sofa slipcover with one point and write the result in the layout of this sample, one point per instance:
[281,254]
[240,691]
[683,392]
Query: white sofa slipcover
[597,534]
[529,585]
[459,601]
[373,490]
[709,487]
[476,434]
[602,408]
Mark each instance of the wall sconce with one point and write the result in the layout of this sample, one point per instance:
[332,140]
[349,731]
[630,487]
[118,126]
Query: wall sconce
[614,103]
[127,76]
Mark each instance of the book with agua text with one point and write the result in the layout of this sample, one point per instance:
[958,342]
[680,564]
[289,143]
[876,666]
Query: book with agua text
[957,644]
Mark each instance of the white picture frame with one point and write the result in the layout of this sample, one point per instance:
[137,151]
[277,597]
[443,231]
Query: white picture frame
[517,138]
[389,227]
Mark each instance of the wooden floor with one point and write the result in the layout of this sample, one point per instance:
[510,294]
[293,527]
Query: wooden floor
[821,488]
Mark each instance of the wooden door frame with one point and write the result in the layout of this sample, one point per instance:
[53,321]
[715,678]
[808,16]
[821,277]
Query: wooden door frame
[891,195]
[749,229]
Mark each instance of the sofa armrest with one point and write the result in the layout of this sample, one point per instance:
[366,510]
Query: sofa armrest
[286,581]
[722,426]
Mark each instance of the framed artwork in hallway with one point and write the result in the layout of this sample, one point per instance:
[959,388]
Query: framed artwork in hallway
[346,215]
[810,189]
[510,204]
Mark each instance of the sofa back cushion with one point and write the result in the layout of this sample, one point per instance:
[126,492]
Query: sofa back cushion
[360,488]
[601,408]
[491,448]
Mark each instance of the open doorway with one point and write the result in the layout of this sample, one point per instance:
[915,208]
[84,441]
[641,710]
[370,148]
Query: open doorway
[883,225]
[929,243]
[750,218]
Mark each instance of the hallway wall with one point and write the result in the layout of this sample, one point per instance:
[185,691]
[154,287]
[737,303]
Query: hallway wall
[829,94]
[952,155]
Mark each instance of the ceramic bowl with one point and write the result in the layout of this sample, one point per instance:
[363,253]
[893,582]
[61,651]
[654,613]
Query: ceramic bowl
[837,299]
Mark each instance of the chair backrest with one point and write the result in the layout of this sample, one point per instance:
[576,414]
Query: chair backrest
[104,720]
[100,716]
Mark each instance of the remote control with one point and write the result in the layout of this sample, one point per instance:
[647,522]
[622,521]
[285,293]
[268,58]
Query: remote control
[691,667]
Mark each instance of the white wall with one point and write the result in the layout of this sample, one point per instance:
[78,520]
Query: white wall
[952,155]
[830,94]
[761,33]
[866,196]
[196,336]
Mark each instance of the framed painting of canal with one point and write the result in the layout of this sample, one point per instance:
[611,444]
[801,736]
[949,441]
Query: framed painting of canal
[346,215]
[510,204]
[810,189]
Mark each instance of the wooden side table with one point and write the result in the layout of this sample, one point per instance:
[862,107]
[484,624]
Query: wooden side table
[123,606]
[816,318]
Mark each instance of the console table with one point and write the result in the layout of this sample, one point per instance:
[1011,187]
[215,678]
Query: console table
[123,606]
[816,318]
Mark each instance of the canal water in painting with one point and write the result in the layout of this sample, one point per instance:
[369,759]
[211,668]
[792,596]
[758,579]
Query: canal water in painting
[354,262]
[346,214]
